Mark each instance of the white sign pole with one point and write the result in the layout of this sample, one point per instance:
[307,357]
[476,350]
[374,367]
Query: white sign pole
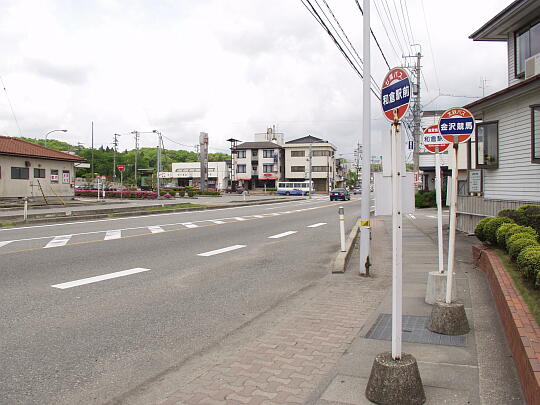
[397,222]
[439,208]
[452,231]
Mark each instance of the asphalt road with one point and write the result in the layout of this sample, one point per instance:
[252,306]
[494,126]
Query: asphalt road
[92,310]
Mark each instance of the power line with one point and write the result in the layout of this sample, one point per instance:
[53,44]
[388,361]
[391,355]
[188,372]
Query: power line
[402,28]
[11,107]
[386,31]
[409,21]
[374,37]
[431,47]
[386,9]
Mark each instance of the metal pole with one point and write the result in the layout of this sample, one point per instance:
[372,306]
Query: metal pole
[122,184]
[397,221]
[439,209]
[25,214]
[310,175]
[92,160]
[158,162]
[452,231]
[366,148]
[341,212]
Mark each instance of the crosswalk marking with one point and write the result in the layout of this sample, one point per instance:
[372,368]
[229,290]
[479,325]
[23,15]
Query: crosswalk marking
[115,234]
[190,225]
[95,279]
[218,222]
[240,219]
[58,241]
[222,250]
[317,225]
[281,235]
[258,216]
[4,243]
[155,229]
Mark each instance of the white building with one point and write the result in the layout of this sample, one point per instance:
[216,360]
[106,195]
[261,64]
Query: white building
[34,171]
[258,164]
[323,167]
[189,174]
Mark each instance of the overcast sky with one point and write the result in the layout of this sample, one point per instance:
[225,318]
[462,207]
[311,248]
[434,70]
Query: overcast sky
[227,67]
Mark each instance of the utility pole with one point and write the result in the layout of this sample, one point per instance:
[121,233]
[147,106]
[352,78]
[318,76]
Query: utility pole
[365,224]
[203,158]
[483,86]
[417,115]
[92,160]
[310,170]
[160,141]
[358,157]
[136,133]
[115,151]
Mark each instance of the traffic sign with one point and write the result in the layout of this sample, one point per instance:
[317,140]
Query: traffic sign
[395,94]
[433,141]
[120,168]
[456,125]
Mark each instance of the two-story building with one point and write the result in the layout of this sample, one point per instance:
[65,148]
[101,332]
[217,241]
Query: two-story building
[505,155]
[189,174]
[323,167]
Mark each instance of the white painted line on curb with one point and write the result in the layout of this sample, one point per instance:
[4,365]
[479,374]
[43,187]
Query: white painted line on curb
[95,279]
[116,234]
[4,243]
[223,250]
[317,225]
[190,225]
[281,235]
[58,241]
[155,229]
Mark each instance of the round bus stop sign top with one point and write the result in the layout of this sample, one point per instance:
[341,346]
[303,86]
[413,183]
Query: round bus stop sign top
[433,141]
[456,125]
[395,94]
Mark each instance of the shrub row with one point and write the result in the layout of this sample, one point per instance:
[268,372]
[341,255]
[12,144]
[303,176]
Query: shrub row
[149,195]
[516,232]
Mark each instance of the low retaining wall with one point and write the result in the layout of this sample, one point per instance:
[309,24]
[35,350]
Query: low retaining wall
[521,329]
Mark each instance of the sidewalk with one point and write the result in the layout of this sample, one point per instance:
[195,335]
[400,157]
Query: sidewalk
[314,348]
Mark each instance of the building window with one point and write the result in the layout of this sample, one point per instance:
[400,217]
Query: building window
[254,152]
[240,168]
[535,133]
[241,154]
[298,169]
[527,45]
[298,153]
[54,176]
[65,176]
[268,168]
[39,173]
[319,168]
[20,173]
[487,145]
[268,153]
[322,153]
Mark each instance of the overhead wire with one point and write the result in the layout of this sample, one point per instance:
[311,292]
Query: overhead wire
[430,46]
[386,31]
[386,9]
[11,107]
[402,29]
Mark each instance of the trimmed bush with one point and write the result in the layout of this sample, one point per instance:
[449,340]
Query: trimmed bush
[516,245]
[501,233]
[491,227]
[191,193]
[517,216]
[528,262]
[425,199]
[519,229]
[520,235]
[529,209]
[479,230]
[181,192]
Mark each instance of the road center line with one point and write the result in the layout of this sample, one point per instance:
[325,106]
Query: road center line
[155,229]
[190,225]
[95,279]
[115,234]
[217,221]
[240,219]
[222,250]
[317,225]
[281,235]
[58,241]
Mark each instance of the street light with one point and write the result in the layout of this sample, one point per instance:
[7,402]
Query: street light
[50,132]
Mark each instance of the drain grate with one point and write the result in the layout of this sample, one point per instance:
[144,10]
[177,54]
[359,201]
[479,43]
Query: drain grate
[414,331]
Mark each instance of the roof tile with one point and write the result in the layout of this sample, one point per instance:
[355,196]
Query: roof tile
[18,147]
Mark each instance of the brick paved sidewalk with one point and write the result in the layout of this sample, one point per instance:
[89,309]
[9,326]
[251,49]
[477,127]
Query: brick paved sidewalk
[285,365]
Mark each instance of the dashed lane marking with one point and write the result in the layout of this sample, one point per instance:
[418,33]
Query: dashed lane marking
[190,225]
[281,235]
[95,279]
[240,219]
[222,250]
[115,234]
[317,225]
[155,229]
[217,222]
[58,241]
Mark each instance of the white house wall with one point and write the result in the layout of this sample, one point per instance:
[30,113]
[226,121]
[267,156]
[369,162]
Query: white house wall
[516,178]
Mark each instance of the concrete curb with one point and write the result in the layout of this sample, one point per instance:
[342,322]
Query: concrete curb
[342,259]
[119,212]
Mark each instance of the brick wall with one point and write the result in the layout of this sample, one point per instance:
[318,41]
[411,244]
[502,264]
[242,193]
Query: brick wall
[521,329]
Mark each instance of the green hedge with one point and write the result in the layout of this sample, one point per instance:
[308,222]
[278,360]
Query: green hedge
[490,228]
[502,231]
[479,230]
[528,262]
[425,199]
[516,245]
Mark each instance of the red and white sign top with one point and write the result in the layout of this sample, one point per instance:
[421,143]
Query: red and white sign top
[433,141]
[120,168]
[395,94]
[456,125]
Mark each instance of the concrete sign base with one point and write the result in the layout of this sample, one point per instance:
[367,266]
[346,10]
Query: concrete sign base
[448,319]
[436,287]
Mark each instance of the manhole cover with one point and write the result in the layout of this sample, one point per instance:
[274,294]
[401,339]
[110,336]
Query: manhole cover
[414,331]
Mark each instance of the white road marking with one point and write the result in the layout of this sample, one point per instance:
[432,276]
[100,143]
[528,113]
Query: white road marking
[95,279]
[155,229]
[116,234]
[275,213]
[4,243]
[190,225]
[217,221]
[431,216]
[258,216]
[240,219]
[412,216]
[222,250]
[317,225]
[58,241]
[281,235]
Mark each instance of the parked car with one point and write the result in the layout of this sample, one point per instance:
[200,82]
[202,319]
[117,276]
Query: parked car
[357,190]
[339,194]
